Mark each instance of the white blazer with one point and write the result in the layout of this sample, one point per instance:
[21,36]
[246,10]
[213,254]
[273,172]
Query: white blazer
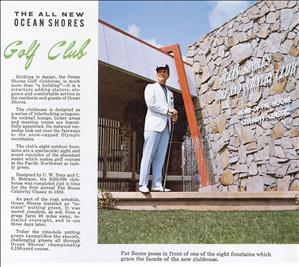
[157,107]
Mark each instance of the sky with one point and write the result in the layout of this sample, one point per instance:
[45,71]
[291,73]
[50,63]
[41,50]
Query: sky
[164,23]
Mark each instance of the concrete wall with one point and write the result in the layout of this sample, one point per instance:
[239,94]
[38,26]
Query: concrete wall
[248,106]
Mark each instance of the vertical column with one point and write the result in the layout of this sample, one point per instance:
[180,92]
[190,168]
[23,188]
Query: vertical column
[190,112]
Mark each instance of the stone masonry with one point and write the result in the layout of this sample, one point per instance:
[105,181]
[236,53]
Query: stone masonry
[248,98]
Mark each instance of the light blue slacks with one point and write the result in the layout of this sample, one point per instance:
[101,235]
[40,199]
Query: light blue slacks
[154,152]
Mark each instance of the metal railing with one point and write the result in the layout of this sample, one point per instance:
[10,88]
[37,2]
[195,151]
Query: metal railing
[116,147]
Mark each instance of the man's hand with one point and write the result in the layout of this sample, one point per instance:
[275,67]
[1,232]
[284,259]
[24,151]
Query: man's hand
[172,112]
[174,118]
[174,115]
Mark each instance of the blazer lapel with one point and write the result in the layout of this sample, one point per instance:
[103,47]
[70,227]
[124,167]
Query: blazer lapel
[161,92]
[168,96]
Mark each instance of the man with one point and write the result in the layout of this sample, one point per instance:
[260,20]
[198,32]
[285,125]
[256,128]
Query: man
[158,122]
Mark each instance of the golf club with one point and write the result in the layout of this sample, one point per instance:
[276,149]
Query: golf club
[168,155]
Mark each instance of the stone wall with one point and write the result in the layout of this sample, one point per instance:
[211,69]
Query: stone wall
[248,98]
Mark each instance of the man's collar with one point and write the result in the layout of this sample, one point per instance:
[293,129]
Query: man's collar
[163,85]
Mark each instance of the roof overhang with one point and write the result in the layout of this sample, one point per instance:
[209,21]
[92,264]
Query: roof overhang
[126,52]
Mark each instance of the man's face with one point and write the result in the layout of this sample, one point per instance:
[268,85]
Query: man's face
[162,75]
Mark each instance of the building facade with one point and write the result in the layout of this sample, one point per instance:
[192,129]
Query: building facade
[126,65]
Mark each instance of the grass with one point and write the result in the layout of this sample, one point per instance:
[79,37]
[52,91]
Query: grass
[198,227]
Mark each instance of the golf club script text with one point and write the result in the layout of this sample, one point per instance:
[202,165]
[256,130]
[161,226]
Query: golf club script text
[64,49]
